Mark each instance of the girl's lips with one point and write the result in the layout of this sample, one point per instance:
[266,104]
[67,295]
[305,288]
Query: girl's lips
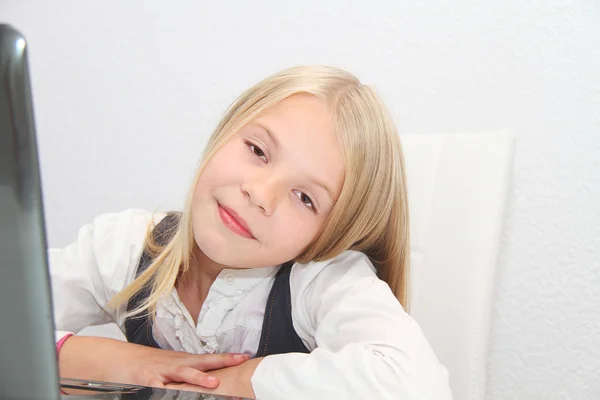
[234,222]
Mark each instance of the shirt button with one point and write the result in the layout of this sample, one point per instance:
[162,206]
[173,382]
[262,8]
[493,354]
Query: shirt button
[229,278]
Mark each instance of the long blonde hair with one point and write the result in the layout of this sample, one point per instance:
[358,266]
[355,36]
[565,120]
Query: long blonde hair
[371,213]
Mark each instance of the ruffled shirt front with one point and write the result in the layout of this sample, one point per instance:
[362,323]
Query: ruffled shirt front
[218,329]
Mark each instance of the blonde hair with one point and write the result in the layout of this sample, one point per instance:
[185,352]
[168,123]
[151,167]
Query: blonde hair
[371,213]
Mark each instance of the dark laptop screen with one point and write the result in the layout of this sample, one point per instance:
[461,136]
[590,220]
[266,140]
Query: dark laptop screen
[28,357]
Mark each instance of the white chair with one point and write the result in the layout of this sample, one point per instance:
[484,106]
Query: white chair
[458,188]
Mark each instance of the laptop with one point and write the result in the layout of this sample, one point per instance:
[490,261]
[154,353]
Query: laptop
[28,364]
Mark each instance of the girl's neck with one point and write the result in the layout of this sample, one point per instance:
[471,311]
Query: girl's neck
[193,287]
[203,268]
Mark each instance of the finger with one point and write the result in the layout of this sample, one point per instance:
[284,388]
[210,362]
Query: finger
[146,377]
[186,387]
[207,362]
[184,374]
[154,382]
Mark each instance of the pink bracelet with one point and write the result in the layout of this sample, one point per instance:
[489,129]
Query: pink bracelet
[61,342]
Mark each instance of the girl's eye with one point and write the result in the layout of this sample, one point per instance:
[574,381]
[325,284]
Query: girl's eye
[257,151]
[307,201]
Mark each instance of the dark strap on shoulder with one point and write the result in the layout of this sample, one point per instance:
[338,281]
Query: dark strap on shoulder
[138,329]
[278,335]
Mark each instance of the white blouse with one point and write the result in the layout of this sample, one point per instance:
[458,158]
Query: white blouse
[364,346]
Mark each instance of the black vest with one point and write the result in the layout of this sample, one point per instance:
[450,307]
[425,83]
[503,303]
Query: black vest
[278,335]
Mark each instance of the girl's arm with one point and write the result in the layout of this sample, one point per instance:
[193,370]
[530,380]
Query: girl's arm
[110,360]
[366,345]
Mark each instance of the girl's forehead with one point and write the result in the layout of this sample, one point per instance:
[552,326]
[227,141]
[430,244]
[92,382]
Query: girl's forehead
[300,114]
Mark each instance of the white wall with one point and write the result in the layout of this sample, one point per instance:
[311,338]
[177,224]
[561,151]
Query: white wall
[126,94]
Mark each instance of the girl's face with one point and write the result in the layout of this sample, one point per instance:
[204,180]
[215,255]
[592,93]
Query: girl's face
[266,193]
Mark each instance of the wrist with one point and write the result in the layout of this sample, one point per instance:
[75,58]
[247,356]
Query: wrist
[60,343]
[241,381]
[233,381]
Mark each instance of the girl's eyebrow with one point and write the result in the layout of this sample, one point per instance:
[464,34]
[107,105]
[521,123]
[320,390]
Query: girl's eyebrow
[271,136]
[323,186]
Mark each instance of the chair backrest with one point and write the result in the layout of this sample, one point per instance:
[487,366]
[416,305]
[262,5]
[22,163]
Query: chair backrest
[458,188]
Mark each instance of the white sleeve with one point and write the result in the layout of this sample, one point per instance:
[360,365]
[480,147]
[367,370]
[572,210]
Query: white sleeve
[367,347]
[100,263]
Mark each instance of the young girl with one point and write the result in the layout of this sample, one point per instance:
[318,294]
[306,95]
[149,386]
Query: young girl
[285,275]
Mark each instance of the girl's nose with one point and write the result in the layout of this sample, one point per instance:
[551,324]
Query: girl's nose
[263,192]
